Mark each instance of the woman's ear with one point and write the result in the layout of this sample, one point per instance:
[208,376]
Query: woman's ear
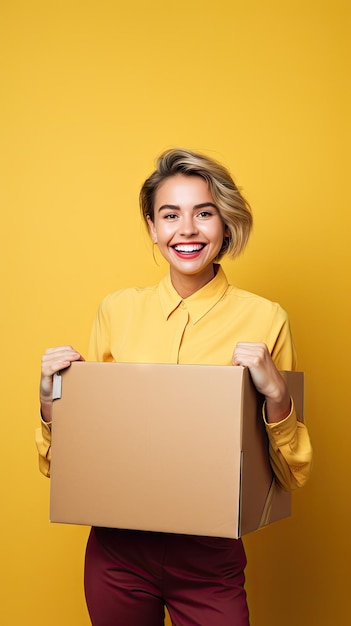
[152,229]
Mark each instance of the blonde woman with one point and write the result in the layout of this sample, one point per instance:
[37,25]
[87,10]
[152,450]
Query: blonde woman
[195,214]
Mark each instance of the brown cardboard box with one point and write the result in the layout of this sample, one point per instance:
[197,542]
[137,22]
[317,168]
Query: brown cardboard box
[170,448]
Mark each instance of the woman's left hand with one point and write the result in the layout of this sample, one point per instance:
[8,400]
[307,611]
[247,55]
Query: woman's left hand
[266,378]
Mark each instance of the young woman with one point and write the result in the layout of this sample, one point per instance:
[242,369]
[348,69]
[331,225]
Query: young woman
[195,214]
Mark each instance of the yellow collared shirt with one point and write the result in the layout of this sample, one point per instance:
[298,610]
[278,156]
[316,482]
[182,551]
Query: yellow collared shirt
[155,325]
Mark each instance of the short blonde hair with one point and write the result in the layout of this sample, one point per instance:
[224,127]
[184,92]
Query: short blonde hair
[234,210]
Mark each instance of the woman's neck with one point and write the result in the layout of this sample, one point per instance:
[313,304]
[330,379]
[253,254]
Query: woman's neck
[186,285]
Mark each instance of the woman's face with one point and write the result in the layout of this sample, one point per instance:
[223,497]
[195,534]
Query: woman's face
[188,229]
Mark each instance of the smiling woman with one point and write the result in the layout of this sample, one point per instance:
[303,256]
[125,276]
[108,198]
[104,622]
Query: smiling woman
[232,206]
[189,237]
[195,214]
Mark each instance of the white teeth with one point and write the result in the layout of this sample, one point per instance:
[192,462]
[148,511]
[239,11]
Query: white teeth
[188,247]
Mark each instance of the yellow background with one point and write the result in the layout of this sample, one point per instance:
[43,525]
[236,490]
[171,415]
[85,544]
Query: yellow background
[92,91]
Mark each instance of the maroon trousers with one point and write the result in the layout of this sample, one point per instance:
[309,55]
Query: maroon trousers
[130,576]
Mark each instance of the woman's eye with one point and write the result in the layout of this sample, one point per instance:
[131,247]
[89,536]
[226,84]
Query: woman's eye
[204,214]
[170,216]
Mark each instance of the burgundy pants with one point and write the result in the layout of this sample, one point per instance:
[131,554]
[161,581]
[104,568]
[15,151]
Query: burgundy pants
[130,576]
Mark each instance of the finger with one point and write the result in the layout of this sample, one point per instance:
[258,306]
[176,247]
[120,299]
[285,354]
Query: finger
[251,345]
[62,352]
[55,359]
[52,353]
[249,353]
[251,348]
[254,359]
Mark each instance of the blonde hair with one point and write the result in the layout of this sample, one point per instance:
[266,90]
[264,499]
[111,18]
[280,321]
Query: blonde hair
[234,210]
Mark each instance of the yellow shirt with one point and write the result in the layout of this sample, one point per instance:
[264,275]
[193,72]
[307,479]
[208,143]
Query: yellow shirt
[155,325]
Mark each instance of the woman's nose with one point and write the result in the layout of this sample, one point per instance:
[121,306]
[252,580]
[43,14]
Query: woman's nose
[188,226]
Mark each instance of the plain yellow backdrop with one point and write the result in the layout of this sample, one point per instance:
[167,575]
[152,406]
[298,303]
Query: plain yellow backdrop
[92,91]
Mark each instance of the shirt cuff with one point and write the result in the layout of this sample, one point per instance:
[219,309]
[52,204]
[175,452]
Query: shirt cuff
[45,430]
[283,432]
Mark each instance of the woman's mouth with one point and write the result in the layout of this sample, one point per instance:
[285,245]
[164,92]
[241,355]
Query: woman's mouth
[188,249]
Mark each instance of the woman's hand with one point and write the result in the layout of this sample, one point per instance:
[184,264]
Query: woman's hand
[53,360]
[266,378]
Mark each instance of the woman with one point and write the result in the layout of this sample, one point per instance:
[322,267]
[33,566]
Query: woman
[195,214]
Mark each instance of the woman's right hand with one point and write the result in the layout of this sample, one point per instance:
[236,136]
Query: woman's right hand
[53,360]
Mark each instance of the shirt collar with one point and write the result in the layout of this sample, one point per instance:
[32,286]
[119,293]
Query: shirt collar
[199,303]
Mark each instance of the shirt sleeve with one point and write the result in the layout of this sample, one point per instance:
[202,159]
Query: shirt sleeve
[289,442]
[43,443]
[290,450]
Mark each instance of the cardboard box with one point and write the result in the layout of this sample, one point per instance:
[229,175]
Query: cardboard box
[170,448]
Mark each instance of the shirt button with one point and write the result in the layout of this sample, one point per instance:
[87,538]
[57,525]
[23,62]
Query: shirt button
[277,431]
